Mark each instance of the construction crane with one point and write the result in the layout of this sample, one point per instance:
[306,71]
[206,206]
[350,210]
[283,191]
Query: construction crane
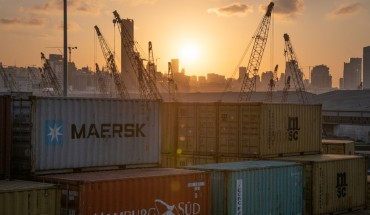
[101,80]
[54,88]
[111,63]
[151,64]
[148,89]
[286,89]
[292,61]
[8,79]
[171,84]
[260,39]
[272,83]
[69,51]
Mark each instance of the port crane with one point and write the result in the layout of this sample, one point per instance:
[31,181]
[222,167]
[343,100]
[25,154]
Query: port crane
[148,89]
[8,79]
[69,51]
[101,80]
[54,88]
[151,64]
[260,39]
[111,63]
[272,83]
[286,89]
[292,61]
[171,84]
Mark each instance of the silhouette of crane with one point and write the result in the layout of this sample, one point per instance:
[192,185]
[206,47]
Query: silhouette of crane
[69,51]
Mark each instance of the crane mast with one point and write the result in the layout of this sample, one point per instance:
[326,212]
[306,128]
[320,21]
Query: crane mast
[52,79]
[101,80]
[260,39]
[272,83]
[291,59]
[148,88]
[171,84]
[151,64]
[111,63]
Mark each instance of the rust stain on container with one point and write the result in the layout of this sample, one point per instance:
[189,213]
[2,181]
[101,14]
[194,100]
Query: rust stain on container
[136,191]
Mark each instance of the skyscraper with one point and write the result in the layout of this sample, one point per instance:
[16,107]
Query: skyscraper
[366,68]
[175,65]
[352,74]
[320,77]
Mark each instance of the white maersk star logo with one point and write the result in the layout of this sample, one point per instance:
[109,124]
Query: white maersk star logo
[54,132]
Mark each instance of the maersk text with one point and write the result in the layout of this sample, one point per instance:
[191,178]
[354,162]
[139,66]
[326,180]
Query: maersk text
[107,130]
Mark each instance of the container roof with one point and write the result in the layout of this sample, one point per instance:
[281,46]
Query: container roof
[19,185]
[244,165]
[118,174]
[318,158]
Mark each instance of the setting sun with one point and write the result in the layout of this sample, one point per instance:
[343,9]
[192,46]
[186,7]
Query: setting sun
[189,53]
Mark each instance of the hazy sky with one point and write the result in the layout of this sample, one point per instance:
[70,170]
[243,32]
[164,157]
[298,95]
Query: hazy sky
[208,36]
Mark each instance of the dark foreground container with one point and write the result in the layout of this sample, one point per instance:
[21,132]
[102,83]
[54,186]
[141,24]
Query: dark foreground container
[255,187]
[135,191]
[28,197]
[332,183]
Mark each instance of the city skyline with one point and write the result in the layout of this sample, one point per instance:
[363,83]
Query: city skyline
[206,37]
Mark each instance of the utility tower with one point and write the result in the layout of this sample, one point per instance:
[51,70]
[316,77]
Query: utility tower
[292,61]
[148,89]
[260,39]
[111,63]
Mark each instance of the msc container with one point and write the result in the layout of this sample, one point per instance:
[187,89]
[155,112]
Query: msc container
[333,183]
[134,191]
[271,129]
[255,187]
[344,147]
[28,197]
[51,134]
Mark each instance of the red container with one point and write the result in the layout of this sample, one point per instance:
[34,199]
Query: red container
[134,191]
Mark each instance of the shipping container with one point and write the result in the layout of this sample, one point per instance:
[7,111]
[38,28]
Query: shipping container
[29,197]
[368,193]
[332,183]
[255,187]
[257,130]
[51,134]
[168,119]
[344,147]
[134,191]
[5,136]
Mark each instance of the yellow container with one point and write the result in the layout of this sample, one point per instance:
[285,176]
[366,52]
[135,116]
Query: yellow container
[344,147]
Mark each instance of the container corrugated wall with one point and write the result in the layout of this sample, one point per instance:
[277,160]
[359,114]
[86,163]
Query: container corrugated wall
[255,187]
[333,183]
[28,197]
[144,191]
[5,136]
[168,127]
[77,133]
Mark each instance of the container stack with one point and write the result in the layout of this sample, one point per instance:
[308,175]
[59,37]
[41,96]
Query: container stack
[343,147]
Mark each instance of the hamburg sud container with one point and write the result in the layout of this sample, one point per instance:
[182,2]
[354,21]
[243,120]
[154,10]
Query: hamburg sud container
[332,183]
[28,197]
[62,134]
[134,192]
[255,187]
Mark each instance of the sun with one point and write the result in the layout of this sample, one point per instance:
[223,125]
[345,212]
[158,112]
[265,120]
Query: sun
[189,53]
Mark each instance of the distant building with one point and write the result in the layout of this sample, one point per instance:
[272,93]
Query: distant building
[341,83]
[265,80]
[366,68]
[352,74]
[320,77]
[128,74]
[175,66]
[242,72]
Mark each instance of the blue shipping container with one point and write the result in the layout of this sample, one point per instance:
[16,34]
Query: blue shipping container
[255,187]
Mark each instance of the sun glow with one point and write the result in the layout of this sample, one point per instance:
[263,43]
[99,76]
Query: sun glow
[189,53]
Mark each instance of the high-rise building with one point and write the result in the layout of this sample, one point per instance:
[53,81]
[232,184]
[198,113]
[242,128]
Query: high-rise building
[175,65]
[366,68]
[242,72]
[320,77]
[128,74]
[352,74]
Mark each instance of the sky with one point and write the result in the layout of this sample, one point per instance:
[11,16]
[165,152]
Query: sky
[207,36]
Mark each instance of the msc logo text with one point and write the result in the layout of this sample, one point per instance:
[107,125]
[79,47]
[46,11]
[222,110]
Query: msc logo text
[293,128]
[86,131]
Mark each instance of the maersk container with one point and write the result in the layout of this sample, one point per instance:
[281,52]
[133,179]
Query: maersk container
[134,191]
[343,147]
[332,183]
[62,134]
[255,187]
[29,197]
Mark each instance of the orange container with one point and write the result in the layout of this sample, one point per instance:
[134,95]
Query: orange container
[134,191]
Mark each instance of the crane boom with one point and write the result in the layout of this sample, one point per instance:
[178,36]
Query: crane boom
[52,78]
[296,74]
[111,63]
[148,89]
[260,39]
